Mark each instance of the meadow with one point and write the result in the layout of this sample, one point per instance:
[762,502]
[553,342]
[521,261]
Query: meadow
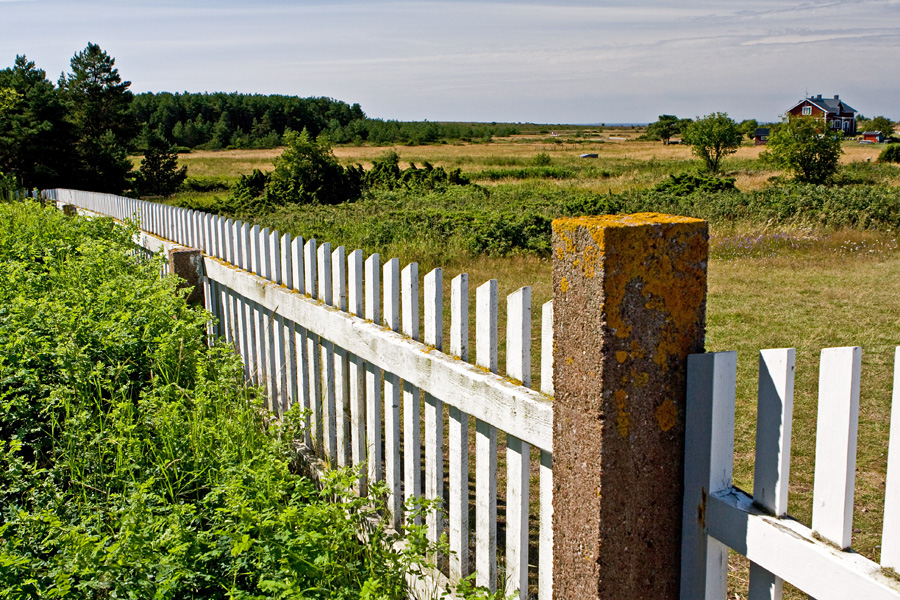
[808,267]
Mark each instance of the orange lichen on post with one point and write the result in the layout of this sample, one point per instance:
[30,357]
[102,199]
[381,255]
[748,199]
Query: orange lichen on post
[629,306]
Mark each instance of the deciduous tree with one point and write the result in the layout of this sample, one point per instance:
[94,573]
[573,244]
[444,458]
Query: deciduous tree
[806,148]
[307,172]
[712,138]
[664,129]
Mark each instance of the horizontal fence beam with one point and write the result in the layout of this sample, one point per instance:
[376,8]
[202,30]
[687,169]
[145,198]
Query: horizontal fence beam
[788,549]
[522,412]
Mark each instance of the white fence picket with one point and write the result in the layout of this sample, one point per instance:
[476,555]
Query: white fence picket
[890,537]
[313,356]
[545,540]
[283,331]
[327,350]
[250,324]
[391,282]
[518,453]
[458,437]
[486,443]
[341,361]
[434,408]
[708,463]
[301,350]
[836,428]
[373,374]
[357,374]
[771,474]
[259,357]
[412,417]
[291,377]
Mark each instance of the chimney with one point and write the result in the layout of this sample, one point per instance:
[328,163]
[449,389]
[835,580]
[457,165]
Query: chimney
[835,96]
[819,97]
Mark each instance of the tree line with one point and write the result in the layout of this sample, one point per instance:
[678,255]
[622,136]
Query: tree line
[79,131]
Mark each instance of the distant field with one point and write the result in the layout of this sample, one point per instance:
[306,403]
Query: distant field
[622,162]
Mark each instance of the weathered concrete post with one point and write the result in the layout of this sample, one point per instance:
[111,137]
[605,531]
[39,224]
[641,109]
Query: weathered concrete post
[629,306]
[187,263]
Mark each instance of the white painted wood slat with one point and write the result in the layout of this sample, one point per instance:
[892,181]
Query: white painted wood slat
[259,374]
[890,537]
[276,331]
[341,361]
[391,281]
[486,443]
[545,541]
[708,462]
[314,356]
[434,408]
[412,417]
[357,375]
[458,437]
[373,373]
[547,348]
[836,428]
[327,349]
[298,269]
[518,453]
[771,475]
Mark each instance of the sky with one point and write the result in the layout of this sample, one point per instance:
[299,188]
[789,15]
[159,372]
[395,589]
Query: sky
[493,60]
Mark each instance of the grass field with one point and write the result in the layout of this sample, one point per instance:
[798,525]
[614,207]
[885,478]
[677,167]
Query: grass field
[770,285]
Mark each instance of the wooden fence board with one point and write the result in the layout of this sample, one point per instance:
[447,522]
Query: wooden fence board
[836,428]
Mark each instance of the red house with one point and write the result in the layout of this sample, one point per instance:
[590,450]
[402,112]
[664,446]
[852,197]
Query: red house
[835,111]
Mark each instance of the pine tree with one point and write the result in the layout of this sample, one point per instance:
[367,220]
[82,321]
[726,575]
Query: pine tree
[159,174]
[99,104]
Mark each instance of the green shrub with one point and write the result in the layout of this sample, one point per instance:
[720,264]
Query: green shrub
[688,183]
[542,172]
[541,159]
[206,184]
[134,460]
[387,174]
[891,154]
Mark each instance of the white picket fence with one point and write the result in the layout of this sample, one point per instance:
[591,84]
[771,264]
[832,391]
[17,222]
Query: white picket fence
[718,516]
[339,333]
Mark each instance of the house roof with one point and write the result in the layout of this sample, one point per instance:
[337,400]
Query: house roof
[761,132]
[829,105]
[871,133]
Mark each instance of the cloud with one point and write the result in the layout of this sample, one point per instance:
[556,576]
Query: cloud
[489,60]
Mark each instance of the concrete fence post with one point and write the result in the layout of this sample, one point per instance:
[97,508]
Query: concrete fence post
[187,263]
[629,306]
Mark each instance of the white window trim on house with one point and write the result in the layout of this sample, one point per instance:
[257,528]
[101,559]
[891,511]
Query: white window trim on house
[806,111]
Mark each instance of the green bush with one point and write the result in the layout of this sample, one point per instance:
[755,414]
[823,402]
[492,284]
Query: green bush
[387,174]
[541,172]
[206,184]
[688,183]
[134,460]
[891,154]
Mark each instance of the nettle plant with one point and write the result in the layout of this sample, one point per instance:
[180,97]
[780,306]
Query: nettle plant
[136,462]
